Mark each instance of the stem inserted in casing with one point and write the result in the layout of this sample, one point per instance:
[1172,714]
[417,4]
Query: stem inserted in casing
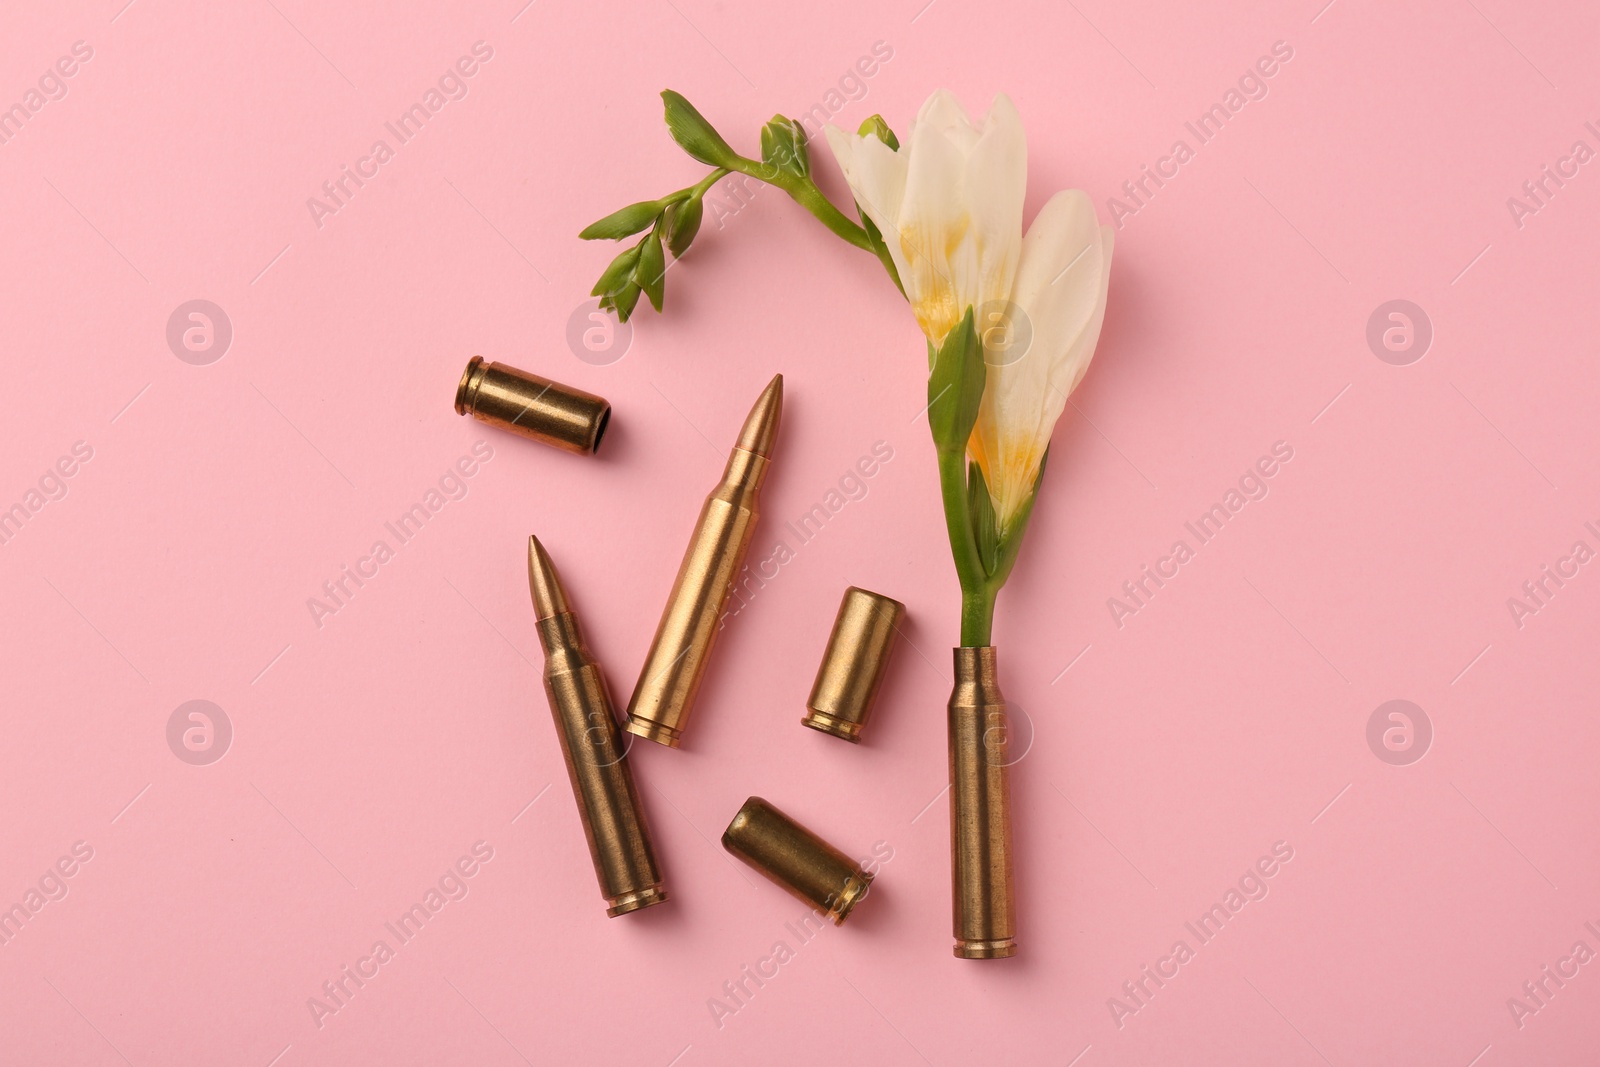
[984,900]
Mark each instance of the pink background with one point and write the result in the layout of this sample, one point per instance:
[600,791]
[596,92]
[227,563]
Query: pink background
[1230,713]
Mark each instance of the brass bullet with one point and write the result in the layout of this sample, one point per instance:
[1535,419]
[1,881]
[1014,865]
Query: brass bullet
[796,859]
[984,901]
[854,664]
[535,407]
[665,692]
[608,802]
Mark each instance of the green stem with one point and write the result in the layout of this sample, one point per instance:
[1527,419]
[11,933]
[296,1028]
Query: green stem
[977,616]
[977,592]
[804,192]
[808,196]
[699,188]
[963,545]
[881,250]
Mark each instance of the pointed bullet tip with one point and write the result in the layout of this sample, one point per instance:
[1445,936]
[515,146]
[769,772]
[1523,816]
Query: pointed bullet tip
[543,584]
[761,426]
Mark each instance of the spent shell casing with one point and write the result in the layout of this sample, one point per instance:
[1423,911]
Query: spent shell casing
[608,802]
[797,859]
[668,683]
[854,664]
[534,407]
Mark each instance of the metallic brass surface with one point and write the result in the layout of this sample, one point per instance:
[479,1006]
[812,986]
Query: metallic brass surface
[532,406]
[985,910]
[796,859]
[665,692]
[854,664]
[608,803]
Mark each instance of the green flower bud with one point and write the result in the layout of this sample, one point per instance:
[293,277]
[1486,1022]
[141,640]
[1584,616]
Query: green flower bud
[683,222]
[783,145]
[622,301]
[619,271]
[696,136]
[876,127]
[652,271]
[619,224]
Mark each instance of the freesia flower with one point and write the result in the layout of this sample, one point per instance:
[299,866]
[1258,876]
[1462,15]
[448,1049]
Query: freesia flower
[948,204]
[1011,321]
[1060,292]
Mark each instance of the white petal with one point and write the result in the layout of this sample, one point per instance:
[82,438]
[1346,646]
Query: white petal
[942,113]
[844,150]
[933,222]
[877,177]
[880,185]
[994,184]
[1061,279]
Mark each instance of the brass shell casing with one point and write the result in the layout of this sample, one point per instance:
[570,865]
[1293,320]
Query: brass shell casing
[984,901]
[796,859]
[854,664]
[535,407]
[670,679]
[591,744]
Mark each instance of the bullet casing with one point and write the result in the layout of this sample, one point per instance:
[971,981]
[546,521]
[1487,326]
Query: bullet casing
[531,406]
[854,664]
[591,744]
[673,668]
[983,894]
[796,859]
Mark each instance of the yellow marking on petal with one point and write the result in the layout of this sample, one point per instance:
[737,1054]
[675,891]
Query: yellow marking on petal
[935,302]
[1011,483]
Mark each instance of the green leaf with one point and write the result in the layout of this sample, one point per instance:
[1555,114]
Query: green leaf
[624,223]
[652,271]
[683,224]
[955,386]
[876,127]
[980,510]
[783,146]
[694,134]
[617,273]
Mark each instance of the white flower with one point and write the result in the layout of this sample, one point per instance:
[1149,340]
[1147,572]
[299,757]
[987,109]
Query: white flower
[949,206]
[1060,291]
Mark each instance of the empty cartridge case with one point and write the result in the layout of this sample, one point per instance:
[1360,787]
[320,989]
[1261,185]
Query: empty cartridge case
[608,803]
[676,662]
[532,406]
[796,859]
[854,664]
[983,898]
